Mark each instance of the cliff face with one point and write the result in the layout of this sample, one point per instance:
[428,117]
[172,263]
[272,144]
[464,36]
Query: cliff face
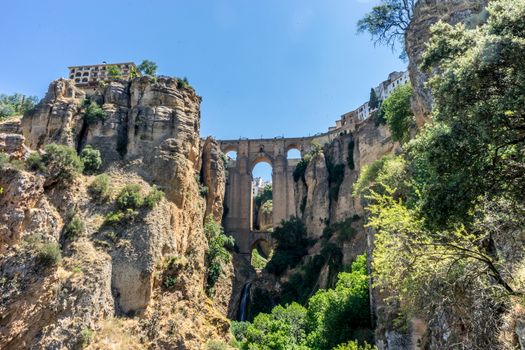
[111,281]
[427,13]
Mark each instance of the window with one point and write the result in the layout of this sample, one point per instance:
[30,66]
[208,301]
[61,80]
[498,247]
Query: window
[77,80]
[78,74]
[85,74]
[84,80]
[71,76]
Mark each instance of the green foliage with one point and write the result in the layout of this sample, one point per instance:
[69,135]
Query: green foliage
[354,345]
[183,83]
[267,207]
[34,162]
[74,228]
[16,104]
[114,72]
[86,336]
[292,245]
[333,317]
[300,168]
[121,217]
[94,113]
[257,260]
[350,158]
[373,103]
[388,170]
[60,162]
[264,195]
[217,255]
[148,67]
[4,160]
[203,190]
[153,197]
[100,188]
[397,112]
[130,197]
[49,254]
[283,329]
[170,281]
[338,315]
[336,175]
[388,21]
[216,345]
[91,159]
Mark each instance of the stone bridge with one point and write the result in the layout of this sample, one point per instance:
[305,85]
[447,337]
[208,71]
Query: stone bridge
[239,198]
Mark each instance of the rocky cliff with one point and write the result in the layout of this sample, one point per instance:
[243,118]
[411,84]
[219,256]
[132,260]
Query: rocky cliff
[110,286]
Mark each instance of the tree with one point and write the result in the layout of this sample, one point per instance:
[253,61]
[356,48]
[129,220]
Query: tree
[148,67]
[114,72]
[397,111]
[60,162]
[292,245]
[374,101]
[91,159]
[388,21]
[16,104]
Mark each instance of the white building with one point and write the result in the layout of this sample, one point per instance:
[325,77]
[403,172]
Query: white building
[258,184]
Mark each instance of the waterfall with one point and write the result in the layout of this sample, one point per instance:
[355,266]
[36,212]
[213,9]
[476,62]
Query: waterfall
[245,298]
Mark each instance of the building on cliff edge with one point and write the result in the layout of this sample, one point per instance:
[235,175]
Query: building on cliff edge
[91,75]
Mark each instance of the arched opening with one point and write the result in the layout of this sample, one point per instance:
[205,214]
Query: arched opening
[261,254]
[293,153]
[231,155]
[262,196]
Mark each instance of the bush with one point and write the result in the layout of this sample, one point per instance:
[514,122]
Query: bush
[61,162]
[300,169]
[336,175]
[49,254]
[183,83]
[263,196]
[217,254]
[16,104]
[100,187]
[267,207]
[86,336]
[91,159]
[170,281]
[130,197]
[34,162]
[94,113]
[292,245]
[119,217]
[153,197]
[4,160]
[216,345]
[74,228]
[398,113]
[354,345]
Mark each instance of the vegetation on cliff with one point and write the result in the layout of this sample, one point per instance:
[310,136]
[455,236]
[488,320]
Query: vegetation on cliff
[331,317]
[448,209]
[16,104]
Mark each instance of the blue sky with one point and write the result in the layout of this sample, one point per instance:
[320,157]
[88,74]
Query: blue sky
[264,68]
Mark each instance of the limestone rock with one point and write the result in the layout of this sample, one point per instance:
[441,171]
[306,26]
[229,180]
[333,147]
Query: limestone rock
[13,144]
[213,177]
[316,212]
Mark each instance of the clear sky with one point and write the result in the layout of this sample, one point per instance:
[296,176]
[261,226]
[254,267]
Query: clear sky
[264,68]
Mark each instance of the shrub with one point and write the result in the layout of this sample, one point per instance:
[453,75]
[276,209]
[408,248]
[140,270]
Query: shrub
[74,228]
[49,254]
[61,162]
[130,197]
[100,187]
[4,160]
[292,245]
[114,72]
[183,83]
[170,281]
[300,169]
[91,159]
[16,104]
[264,195]
[354,345]
[257,260]
[216,345]
[119,217]
[267,207]
[217,254]
[86,336]
[94,113]
[336,175]
[148,67]
[34,162]
[398,113]
[153,197]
